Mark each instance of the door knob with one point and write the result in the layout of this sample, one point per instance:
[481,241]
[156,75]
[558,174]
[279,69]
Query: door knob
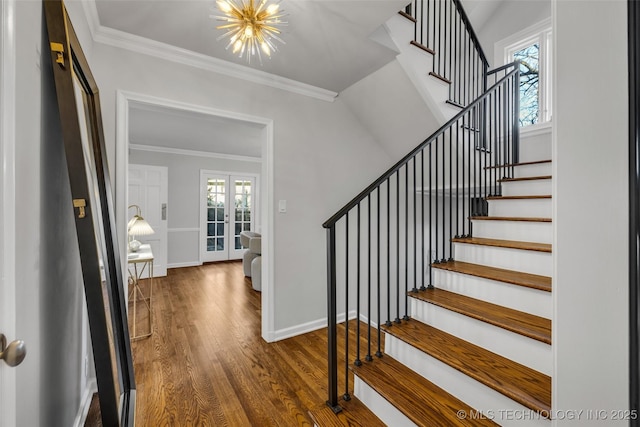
[14,353]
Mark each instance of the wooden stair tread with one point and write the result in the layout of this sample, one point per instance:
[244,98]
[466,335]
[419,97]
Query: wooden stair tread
[420,400]
[510,165]
[528,280]
[509,218]
[354,414]
[546,196]
[406,15]
[423,47]
[518,382]
[525,178]
[439,77]
[511,244]
[519,322]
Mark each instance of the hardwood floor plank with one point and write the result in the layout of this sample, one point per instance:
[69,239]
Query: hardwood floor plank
[206,363]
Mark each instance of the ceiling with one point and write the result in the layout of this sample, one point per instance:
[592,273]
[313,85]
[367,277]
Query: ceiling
[165,127]
[328,45]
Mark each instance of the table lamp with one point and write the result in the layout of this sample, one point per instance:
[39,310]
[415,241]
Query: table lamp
[137,226]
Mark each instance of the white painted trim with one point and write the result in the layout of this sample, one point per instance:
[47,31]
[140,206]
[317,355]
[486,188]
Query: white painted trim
[8,24]
[123,40]
[501,45]
[83,410]
[543,128]
[184,230]
[123,100]
[194,153]
[184,264]
[307,327]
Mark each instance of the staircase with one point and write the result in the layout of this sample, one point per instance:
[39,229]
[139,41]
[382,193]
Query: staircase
[444,266]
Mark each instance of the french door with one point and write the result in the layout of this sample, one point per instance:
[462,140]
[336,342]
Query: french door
[227,207]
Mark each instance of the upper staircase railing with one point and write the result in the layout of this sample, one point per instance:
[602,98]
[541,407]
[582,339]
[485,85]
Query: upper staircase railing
[383,243]
[443,28]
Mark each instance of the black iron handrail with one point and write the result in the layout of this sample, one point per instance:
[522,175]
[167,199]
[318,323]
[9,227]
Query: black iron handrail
[364,193]
[466,159]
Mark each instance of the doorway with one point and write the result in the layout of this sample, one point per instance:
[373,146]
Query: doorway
[125,101]
[227,207]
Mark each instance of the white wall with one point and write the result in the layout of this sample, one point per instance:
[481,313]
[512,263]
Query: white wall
[509,18]
[184,197]
[49,297]
[590,328]
[322,158]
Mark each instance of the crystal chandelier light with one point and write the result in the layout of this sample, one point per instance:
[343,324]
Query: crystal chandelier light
[252,29]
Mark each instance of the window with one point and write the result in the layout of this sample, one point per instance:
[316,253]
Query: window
[533,48]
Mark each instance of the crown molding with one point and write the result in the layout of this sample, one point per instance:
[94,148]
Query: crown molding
[123,40]
[194,153]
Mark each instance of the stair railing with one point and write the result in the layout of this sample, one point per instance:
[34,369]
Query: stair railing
[382,244]
[443,28]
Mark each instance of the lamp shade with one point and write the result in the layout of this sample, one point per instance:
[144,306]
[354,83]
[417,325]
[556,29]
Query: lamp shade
[140,227]
[137,226]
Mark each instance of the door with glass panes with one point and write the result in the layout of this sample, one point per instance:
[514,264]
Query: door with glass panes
[227,208]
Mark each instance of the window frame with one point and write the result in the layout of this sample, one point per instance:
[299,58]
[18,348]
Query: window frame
[541,33]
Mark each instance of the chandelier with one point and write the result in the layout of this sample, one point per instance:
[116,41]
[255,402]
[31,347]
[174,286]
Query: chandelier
[252,29]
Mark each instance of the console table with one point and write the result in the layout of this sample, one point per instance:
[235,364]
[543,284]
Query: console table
[140,262]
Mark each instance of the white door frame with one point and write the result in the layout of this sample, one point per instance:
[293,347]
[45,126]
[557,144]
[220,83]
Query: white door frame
[255,207]
[123,103]
[8,197]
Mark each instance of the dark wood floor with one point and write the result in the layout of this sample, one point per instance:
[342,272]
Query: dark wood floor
[207,365]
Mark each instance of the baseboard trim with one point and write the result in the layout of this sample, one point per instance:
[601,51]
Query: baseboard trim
[304,328]
[90,388]
[184,264]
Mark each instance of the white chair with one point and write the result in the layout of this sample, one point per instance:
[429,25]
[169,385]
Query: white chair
[252,259]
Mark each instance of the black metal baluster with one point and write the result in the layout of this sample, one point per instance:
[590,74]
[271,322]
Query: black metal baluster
[406,241]
[464,147]
[450,75]
[444,195]
[346,395]
[470,151]
[397,246]
[388,323]
[457,125]
[332,317]
[358,362]
[424,269]
[379,237]
[415,227]
[450,194]
[368,357]
[437,258]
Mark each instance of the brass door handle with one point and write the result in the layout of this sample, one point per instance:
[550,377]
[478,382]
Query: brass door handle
[14,353]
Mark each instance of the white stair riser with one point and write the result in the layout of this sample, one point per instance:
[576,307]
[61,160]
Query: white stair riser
[524,231]
[532,262]
[533,187]
[537,169]
[521,208]
[465,388]
[385,411]
[534,301]
[526,351]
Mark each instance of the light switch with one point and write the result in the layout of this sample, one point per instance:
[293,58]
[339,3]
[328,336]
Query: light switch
[282,206]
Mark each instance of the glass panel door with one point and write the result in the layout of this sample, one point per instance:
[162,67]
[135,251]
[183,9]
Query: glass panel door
[242,219]
[228,204]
